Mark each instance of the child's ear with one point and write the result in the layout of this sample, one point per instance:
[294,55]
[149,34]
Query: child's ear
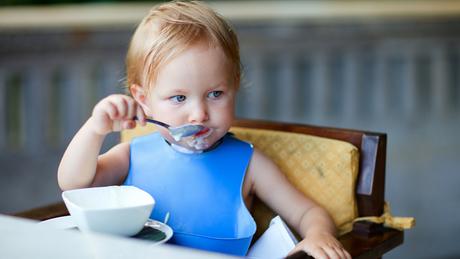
[139,94]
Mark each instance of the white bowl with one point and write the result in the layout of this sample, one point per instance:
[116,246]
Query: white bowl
[119,210]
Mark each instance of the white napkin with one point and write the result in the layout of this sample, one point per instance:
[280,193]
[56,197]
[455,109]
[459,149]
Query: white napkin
[276,242]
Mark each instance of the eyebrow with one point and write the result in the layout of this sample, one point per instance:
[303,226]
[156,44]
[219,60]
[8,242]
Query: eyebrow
[221,84]
[176,91]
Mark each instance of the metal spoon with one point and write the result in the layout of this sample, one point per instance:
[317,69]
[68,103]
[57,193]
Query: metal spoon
[178,132]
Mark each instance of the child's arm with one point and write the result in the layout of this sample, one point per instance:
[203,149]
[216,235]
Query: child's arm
[310,220]
[81,166]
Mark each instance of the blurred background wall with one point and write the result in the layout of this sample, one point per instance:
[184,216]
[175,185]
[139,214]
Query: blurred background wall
[387,66]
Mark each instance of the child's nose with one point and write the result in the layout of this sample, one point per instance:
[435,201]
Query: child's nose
[199,113]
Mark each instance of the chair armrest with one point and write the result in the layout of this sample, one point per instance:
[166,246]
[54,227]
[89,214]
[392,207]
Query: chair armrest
[43,213]
[371,246]
[365,246]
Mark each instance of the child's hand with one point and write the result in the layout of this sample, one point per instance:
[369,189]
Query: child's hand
[115,113]
[322,245]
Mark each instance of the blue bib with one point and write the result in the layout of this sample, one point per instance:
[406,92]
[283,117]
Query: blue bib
[202,192]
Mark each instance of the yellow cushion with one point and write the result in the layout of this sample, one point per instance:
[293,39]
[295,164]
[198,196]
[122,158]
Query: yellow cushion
[323,169]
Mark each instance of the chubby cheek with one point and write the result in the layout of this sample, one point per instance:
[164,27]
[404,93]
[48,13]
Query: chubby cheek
[165,113]
[225,117]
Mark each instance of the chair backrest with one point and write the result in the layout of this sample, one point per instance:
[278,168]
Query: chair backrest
[369,185]
[370,188]
[353,186]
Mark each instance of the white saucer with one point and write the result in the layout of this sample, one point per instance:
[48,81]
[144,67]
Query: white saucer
[66,222]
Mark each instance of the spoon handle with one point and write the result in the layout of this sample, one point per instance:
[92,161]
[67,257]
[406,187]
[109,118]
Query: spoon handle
[154,121]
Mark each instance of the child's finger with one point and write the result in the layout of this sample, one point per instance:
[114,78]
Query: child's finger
[129,124]
[112,111]
[341,252]
[140,115]
[131,108]
[319,253]
[122,107]
[117,103]
[331,252]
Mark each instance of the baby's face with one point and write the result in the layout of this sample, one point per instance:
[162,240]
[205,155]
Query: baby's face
[196,87]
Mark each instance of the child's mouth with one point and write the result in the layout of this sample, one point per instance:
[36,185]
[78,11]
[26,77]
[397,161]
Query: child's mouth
[197,142]
[202,132]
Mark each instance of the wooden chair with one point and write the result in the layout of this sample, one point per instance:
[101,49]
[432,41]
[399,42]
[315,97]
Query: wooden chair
[366,239]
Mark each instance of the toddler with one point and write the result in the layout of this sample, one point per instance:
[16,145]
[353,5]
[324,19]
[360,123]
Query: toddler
[183,67]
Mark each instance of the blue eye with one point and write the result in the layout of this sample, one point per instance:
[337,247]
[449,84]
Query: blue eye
[215,94]
[178,98]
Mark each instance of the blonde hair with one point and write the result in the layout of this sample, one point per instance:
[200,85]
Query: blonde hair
[168,30]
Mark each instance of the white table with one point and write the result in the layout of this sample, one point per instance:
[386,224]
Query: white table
[21,238]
